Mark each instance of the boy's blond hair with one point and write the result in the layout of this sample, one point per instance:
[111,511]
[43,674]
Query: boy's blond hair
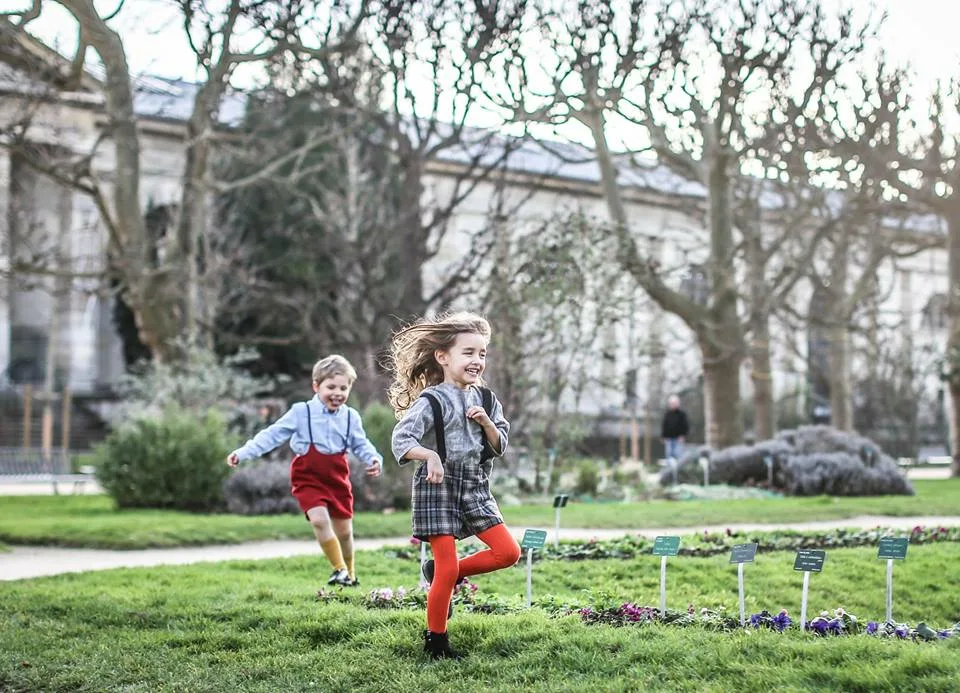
[331,366]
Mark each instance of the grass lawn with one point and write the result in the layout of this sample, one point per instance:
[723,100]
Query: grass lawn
[255,626]
[91,521]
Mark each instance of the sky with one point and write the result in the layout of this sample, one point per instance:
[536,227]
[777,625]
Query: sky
[921,32]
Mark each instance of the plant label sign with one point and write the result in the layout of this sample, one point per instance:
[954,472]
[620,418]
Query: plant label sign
[743,553]
[809,560]
[666,546]
[560,501]
[534,539]
[892,548]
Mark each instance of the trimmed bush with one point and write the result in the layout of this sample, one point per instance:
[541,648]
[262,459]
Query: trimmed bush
[260,488]
[174,462]
[808,461]
[588,478]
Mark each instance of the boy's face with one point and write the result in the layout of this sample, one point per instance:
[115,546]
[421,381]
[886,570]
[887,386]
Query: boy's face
[464,362]
[333,391]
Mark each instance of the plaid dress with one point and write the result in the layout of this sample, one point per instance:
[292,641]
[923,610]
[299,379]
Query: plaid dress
[461,505]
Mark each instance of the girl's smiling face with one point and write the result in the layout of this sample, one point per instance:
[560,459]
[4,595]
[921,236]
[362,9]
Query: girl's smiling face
[333,391]
[464,362]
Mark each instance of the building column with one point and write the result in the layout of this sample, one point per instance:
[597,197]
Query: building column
[4,263]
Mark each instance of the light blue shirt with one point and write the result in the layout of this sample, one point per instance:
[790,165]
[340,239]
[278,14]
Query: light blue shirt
[329,430]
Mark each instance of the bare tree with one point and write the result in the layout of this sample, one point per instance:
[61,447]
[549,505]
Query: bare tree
[162,288]
[711,85]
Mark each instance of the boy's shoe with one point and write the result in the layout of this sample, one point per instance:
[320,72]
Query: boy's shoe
[437,645]
[341,577]
[354,582]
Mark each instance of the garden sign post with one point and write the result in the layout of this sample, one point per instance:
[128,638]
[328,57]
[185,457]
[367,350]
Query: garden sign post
[532,539]
[559,501]
[663,547]
[809,561]
[423,559]
[891,549]
[742,553]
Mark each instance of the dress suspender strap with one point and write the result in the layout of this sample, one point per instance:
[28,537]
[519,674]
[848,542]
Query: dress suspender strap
[309,424]
[346,439]
[437,424]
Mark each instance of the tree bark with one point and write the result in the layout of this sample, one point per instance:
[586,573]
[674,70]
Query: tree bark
[841,396]
[764,423]
[146,292]
[953,340]
[721,397]
[760,374]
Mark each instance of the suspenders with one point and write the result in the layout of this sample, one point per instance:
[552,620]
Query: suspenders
[346,440]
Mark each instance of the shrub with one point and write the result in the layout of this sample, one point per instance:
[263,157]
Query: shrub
[175,461]
[260,488]
[810,460]
[588,478]
[392,488]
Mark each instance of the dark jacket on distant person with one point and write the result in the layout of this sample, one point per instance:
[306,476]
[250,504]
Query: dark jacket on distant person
[675,424]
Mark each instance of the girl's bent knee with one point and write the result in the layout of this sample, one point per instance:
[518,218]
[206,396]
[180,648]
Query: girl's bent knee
[510,554]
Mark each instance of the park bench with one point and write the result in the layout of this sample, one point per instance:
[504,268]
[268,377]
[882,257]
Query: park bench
[31,465]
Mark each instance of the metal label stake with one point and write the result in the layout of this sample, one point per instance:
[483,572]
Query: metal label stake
[809,561]
[663,547]
[740,554]
[892,549]
[532,539]
[559,502]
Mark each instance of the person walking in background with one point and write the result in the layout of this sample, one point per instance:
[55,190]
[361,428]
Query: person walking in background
[675,428]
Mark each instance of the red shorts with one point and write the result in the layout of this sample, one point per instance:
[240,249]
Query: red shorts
[319,479]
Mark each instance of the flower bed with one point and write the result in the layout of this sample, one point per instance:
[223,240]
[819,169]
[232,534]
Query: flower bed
[606,611]
[707,544]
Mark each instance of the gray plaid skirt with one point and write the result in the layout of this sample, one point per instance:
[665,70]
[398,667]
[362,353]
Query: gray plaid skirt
[461,505]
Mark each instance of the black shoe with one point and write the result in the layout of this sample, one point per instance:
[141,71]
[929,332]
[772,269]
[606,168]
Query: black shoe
[428,569]
[341,577]
[437,645]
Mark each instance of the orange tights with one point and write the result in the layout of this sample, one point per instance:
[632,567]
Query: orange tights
[504,551]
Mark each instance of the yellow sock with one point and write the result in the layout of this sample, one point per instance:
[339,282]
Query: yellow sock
[349,560]
[331,549]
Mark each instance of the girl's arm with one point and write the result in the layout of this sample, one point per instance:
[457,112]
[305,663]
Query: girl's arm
[360,445]
[495,427]
[409,431]
[270,438]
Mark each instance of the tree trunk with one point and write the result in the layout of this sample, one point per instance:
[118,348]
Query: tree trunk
[760,373]
[841,397]
[953,341]
[412,239]
[721,338]
[145,291]
[721,399]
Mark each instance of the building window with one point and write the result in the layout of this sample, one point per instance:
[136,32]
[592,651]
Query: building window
[694,284]
[935,315]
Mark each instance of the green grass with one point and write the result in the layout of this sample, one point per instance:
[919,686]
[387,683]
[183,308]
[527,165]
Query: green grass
[92,521]
[255,626]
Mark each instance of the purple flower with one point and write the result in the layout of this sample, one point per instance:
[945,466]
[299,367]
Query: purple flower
[901,632]
[401,592]
[943,634]
[872,627]
[415,541]
[835,626]
[819,625]
[782,621]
